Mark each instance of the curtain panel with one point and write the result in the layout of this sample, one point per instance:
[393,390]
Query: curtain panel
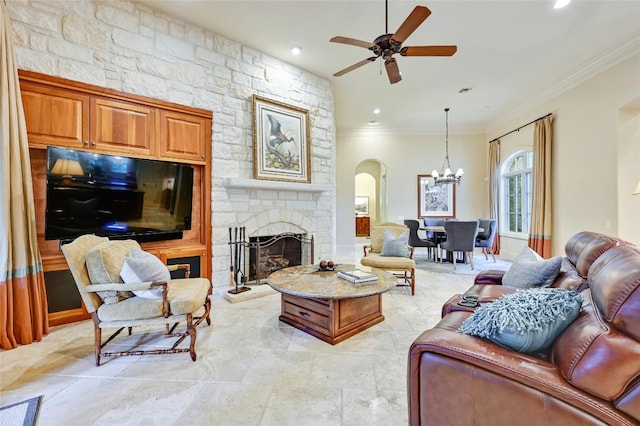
[541,220]
[23,299]
[494,190]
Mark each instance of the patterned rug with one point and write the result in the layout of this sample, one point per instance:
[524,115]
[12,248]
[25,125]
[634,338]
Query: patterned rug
[479,264]
[21,413]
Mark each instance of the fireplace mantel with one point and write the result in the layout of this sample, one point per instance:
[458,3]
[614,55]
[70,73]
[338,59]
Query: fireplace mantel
[275,185]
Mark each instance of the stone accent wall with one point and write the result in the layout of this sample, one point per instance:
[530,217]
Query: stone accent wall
[132,48]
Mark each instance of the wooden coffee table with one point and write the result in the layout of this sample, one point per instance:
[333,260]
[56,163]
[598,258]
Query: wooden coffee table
[326,306]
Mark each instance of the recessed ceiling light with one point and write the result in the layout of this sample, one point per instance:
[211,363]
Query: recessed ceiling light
[373,123]
[464,90]
[376,111]
[296,50]
[561,3]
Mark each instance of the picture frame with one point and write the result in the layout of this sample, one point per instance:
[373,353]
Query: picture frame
[435,200]
[281,143]
[362,206]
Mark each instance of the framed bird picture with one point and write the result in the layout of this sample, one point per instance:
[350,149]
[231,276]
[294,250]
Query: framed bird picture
[281,147]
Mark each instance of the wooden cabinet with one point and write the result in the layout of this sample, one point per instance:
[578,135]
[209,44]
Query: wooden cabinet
[65,118]
[363,226]
[122,127]
[55,116]
[75,115]
[181,136]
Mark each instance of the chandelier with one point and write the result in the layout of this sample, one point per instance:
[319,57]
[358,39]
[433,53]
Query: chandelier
[446,176]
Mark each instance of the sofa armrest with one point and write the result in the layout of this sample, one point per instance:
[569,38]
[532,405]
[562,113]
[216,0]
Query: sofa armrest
[491,276]
[453,378]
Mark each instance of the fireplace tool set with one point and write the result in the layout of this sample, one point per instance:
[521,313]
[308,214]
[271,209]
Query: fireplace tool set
[237,250]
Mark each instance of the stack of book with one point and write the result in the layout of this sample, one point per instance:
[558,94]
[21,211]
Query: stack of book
[358,276]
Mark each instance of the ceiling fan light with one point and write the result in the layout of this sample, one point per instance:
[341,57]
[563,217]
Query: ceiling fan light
[561,3]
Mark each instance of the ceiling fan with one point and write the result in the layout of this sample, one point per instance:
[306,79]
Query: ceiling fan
[387,45]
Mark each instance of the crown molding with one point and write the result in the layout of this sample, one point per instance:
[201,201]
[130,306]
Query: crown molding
[629,47]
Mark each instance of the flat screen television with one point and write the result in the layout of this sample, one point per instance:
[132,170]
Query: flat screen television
[116,197]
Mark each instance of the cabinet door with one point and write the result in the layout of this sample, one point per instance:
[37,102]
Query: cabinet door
[182,136]
[55,116]
[122,127]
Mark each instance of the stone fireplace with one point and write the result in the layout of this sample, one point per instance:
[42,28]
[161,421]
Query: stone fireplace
[266,209]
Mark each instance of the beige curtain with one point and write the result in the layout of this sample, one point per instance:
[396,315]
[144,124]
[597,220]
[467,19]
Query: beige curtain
[494,190]
[23,299]
[540,232]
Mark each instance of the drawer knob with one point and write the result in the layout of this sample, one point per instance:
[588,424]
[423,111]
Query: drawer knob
[304,314]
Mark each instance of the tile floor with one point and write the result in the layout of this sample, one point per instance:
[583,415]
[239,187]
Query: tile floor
[251,369]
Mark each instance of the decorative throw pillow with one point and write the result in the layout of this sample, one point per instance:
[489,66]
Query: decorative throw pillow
[104,263]
[526,321]
[141,267]
[530,270]
[395,246]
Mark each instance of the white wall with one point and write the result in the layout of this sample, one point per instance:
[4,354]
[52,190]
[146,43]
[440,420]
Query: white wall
[588,155]
[405,157]
[132,48]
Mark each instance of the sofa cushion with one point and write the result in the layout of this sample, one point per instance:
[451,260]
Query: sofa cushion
[530,270]
[376,260]
[583,248]
[395,246]
[596,357]
[142,267]
[104,263]
[527,321]
[185,296]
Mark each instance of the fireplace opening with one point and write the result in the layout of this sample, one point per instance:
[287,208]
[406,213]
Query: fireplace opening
[268,254]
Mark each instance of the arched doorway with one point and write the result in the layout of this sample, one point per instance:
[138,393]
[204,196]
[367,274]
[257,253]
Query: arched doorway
[370,188]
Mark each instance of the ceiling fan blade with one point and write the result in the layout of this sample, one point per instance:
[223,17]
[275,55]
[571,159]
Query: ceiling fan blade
[415,18]
[352,42]
[355,66]
[392,70]
[428,50]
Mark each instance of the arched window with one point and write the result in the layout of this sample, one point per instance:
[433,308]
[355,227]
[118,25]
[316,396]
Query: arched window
[517,185]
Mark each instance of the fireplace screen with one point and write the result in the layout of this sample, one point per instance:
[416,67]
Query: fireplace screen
[272,253]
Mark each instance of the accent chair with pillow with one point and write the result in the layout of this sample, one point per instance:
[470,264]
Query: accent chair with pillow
[123,286]
[389,249]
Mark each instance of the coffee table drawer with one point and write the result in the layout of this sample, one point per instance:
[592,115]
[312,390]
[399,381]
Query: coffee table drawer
[306,312]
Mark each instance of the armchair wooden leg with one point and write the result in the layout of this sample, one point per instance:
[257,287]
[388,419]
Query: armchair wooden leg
[413,282]
[97,335]
[193,333]
[471,259]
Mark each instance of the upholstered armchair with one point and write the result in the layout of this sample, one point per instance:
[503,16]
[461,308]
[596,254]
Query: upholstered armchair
[147,297]
[389,249]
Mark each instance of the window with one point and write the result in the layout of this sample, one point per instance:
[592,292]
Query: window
[517,187]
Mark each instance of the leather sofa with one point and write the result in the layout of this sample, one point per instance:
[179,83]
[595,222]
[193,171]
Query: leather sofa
[590,374]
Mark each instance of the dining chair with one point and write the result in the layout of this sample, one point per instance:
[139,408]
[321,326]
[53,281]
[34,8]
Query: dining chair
[414,238]
[461,237]
[432,222]
[485,237]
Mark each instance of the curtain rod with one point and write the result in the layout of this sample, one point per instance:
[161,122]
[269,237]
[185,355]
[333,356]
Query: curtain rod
[518,129]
